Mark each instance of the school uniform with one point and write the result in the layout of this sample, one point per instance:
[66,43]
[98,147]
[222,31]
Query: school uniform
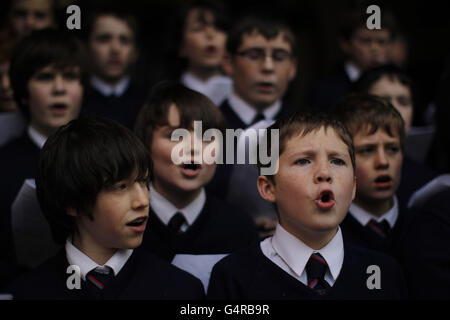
[426,258]
[128,274]
[12,125]
[120,103]
[240,115]
[217,87]
[18,162]
[363,228]
[327,92]
[211,226]
[278,267]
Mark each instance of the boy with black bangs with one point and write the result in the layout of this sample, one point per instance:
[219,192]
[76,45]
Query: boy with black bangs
[306,258]
[183,218]
[376,219]
[92,186]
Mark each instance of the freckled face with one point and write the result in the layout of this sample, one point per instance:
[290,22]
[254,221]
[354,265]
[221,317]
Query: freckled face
[310,166]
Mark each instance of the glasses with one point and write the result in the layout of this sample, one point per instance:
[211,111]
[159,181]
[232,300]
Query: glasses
[259,55]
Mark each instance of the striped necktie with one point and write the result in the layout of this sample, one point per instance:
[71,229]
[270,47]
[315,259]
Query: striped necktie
[315,271]
[382,229]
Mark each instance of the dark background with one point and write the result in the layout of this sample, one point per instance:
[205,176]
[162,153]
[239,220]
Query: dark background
[315,22]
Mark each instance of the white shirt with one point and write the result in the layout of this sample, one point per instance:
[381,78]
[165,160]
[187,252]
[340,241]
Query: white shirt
[217,88]
[363,217]
[165,210]
[36,137]
[247,113]
[352,71]
[292,255]
[107,90]
[86,264]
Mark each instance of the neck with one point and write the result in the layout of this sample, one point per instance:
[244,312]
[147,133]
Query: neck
[377,208]
[180,199]
[111,81]
[313,239]
[40,129]
[98,254]
[204,73]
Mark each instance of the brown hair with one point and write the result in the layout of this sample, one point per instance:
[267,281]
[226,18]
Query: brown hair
[190,104]
[303,123]
[360,111]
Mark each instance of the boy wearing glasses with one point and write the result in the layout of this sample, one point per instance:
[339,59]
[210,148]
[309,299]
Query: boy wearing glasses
[261,61]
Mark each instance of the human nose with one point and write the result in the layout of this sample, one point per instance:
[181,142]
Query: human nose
[140,196]
[322,173]
[4,82]
[268,63]
[381,160]
[58,84]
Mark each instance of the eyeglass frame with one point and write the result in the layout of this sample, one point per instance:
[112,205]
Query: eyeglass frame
[261,55]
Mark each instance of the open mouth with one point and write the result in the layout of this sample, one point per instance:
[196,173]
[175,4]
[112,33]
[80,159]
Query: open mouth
[325,200]
[138,225]
[190,169]
[210,50]
[383,181]
[265,86]
[58,108]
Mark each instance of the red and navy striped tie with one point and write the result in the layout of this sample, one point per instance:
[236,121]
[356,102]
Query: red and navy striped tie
[315,271]
[382,228]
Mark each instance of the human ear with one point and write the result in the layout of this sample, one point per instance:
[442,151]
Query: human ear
[266,188]
[354,189]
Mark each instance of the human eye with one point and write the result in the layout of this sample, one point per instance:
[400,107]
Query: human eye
[365,150]
[280,55]
[338,161]
[393,149]
[125,40]
[19,13]
[404,101]
[302,161]
[44,76]
[254,54]
[103,38]
[40,15]
[71,75]
[119,186]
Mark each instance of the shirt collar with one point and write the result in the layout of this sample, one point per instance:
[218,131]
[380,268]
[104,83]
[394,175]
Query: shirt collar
[247,113]
[86,264]
[165,210]
[36,137]
[107,90]
[202,86]
[363,216]
[296,254]
[352,71]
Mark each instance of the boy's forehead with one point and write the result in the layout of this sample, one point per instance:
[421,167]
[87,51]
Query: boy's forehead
[201,15]
[108,23]
[363,32]
[58,67]
[318,138]
[256,39]
[366,136]
[32,5]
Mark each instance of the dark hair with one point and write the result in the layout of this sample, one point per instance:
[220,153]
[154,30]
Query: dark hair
[372,75]
[190,104]
[79,160]
[38,50]
[354,19]
[117,12]
[268,28]
[303,123]
[361,111]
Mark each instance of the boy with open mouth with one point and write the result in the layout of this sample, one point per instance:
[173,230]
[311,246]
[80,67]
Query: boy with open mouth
[307,257]
[376,219]
[92,186]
